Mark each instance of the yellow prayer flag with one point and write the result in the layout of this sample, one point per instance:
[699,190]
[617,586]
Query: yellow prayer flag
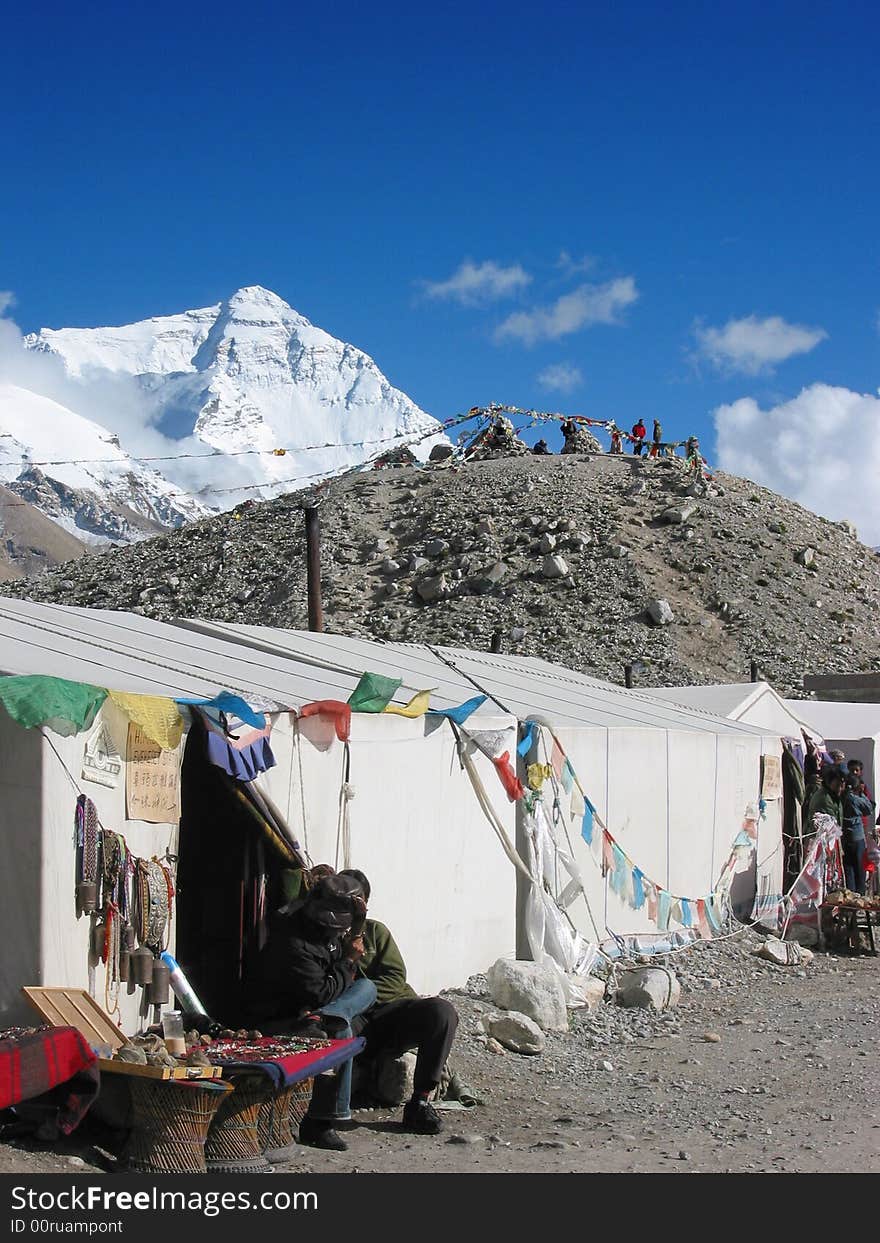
[417,706]
[159,718]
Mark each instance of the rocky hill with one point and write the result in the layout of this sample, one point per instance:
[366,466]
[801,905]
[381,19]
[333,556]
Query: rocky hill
[592,561]
[29,541]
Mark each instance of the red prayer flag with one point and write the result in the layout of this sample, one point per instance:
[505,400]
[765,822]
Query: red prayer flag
[509,779]
[557,759]
[335,708]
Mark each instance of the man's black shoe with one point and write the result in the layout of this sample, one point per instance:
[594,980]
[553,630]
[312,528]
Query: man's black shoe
[319,1134]
[421,1117]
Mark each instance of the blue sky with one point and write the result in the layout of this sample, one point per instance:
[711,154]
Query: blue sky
[678,205]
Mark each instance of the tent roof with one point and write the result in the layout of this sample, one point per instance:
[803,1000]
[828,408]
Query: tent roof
[733,700]
[839,720]
[125,651]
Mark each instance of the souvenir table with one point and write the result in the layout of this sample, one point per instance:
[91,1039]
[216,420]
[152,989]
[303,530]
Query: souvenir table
[272,1077]
[845,914]
[54,1060]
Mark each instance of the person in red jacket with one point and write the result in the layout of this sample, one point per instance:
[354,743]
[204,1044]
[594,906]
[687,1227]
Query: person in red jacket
[639,432]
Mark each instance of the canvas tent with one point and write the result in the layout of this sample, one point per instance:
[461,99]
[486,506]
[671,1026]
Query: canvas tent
[851,728]
[753,703]
[672,784]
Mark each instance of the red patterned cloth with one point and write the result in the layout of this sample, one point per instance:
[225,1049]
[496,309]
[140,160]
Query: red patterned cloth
[52,1059]
[286,1059]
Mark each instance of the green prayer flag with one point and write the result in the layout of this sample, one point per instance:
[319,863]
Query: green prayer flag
[65,707]
[373,692]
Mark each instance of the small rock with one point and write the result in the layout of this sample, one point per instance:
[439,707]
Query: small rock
[711,1038]
[465,1139]
[547,543]
[554,567]
[660,612]
[433,588]
[805,556]
[516,1032]
[606,1065]
[678,513]
[436,548]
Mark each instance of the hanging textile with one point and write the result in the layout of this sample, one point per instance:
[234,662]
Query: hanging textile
[557,758]
[620,872]
[664,908]
[243,753]
[339,712]
[607,853]
[587,824]
[373,692]
[567,777]
[686,917]
[460,714]
[64,707]
[159,718]
[509,779]
[702,921]
[577,806]
[528,740]
[416,707]
[492,742]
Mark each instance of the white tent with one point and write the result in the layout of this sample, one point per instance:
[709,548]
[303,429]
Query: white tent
[853,729]
[672,785]
[753,703]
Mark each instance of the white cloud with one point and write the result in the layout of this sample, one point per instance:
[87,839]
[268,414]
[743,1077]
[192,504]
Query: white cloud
[588,304]
[475,283]
[784,448]
[574,267]
[753,345]
[561,376]
[7,300]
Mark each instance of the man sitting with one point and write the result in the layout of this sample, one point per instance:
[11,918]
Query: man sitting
[309,965]
[401,1020]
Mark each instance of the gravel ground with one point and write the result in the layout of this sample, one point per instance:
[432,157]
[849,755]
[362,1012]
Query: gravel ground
[784,1083]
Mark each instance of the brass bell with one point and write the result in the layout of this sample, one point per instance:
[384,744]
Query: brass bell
[141,970]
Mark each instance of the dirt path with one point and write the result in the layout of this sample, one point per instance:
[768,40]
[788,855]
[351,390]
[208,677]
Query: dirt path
[790,1085]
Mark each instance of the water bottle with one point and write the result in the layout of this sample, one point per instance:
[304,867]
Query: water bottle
[183,990]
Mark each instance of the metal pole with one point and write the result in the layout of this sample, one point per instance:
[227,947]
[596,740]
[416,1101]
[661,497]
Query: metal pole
[753,669]
[313,567]
[495,645]
[628,676]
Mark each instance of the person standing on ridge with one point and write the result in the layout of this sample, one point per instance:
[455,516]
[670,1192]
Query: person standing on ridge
[639,432]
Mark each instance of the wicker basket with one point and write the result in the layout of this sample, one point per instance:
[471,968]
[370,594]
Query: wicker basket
[170,1120]
[279,1118]
[233,1143]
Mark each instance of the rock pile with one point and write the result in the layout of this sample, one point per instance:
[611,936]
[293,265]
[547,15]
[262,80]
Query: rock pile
[591,562]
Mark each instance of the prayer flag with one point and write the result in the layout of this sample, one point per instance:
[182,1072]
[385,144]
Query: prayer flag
[620,872]
[557,758]
[587,825]
[528,740]
[373,692]
[638,890]
[159,718]
[339,712]
[64,707]
[417,706]
[460,714]
[577,805]
[509,779]
[664,906]
[686,917]
[607,853]
[702,921]
[567,777]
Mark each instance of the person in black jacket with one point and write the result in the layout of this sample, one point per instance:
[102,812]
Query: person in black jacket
[309,966]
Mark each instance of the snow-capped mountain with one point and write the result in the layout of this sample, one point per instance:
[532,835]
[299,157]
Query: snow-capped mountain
[75,472]
[234,383]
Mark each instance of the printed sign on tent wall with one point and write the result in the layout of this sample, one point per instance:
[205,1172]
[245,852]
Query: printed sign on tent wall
[152,780]
[101,762]
[771,786]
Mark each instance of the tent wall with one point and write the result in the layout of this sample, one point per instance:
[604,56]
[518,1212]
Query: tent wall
[674,801]
[439,877]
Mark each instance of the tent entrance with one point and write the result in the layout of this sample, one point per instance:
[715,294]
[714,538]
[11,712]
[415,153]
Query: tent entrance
[235,867]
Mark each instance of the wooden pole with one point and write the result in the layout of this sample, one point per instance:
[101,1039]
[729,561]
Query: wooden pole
[313,567]
[628,676]
[753,670]
[497,638]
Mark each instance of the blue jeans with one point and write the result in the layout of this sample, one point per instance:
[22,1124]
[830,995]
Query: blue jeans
[331,1096]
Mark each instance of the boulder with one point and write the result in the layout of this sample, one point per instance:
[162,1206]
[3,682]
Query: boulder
[531,989]
[433,588]
[547,543]
[678,513]
[436,548]
[849,527]
[783,953]
[590,988]
[440,453]
[805,556]
[554,567]
[487,579]
[649,988]
[618,551]
[393,1078]
[389,566]
[660,612]
[516,1032]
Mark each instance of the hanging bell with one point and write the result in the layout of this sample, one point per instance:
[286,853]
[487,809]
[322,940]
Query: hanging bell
[97,935]
[159,988]
[124,966]
[141,970]
[86,897]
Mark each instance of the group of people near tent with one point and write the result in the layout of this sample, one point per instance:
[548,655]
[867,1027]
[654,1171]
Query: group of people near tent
[327,969]
[638,437]
[835,786]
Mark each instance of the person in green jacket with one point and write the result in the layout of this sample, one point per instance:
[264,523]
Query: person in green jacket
[827,799]
[401,1020]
